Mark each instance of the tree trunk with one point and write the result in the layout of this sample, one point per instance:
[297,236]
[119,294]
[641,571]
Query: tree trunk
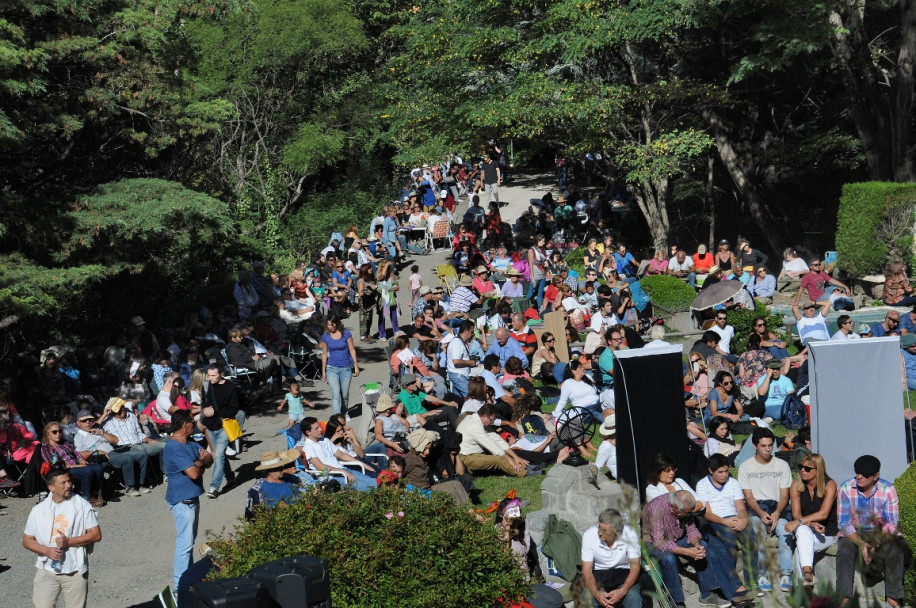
[881,100]
[765,220]
[652,199]
[710,201]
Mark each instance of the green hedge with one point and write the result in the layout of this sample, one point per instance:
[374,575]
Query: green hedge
[389,548]
[576,260]
[670,293]
[906,492]
[875,226]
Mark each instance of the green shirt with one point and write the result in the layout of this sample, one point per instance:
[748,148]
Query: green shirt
[413,403]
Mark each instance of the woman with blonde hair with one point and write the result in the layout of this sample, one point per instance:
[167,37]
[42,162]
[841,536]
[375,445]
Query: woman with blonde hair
[897,290]
[658,264]
[813,499]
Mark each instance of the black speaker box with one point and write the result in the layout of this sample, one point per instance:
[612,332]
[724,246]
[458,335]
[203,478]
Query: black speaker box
[231,593]
[298,581]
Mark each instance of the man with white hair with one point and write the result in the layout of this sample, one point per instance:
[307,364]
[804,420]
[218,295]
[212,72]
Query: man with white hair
[610,561]
[657,333]
[670,532]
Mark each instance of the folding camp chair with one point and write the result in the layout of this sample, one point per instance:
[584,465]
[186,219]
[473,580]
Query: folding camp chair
[440,232]
[305,352]
[236,373]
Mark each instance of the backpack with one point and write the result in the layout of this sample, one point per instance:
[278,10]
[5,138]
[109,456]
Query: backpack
[794,415]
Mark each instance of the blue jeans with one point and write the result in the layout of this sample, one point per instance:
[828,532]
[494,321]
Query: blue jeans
[90,478]
[363,482]
[773,411]
[911,383]
[668,564]
[376,453]
[459,384]
[409,246]
[747,451]
[536,288]
[125,461]
[339,384]
[724,542]
[756,527]
[828,289]
[185,516]
[220,441]
[779,353]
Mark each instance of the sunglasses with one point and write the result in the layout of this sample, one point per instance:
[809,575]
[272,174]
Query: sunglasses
[551,341]
[727,383]
[760,324]
[806,468]
[669,470]
[57,432]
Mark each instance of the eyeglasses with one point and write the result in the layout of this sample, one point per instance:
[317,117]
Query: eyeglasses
[551,341]
[615,340]
[806,468]
[847,322]
[727,383]
[721,318]
[669,470]
[760,324]
[815,265]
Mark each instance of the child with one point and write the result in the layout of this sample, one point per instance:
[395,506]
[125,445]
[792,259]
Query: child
[295,401]
[416,282]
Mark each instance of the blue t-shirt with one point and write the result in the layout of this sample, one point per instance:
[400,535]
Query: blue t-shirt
[176,458]
[272,493]
[779,390]
[295,404]
[338,351]
[907,323]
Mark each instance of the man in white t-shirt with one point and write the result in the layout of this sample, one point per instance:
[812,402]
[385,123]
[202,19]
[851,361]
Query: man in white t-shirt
[321,454]
[810,322]
[846,329]
[726,332]
[610,561]
[725,510]
[765,481]
[58,530]
[681,266]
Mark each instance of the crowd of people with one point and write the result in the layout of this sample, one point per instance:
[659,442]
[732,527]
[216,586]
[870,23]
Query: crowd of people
[470,377]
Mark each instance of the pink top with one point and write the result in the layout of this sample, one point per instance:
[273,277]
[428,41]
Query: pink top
[658,266]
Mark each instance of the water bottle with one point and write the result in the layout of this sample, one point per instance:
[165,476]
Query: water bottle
[57,564]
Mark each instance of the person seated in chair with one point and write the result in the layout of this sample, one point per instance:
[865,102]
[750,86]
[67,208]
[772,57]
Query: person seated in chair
[97,446]
[126,428]
[322,455]
[280,484]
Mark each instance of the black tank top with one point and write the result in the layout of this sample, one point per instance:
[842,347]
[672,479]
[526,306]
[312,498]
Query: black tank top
[811,505]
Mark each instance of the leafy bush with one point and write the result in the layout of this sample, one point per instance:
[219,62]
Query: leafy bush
[670,293]
[576,260]
[906,492]
[875,226]
[391,548]
[743,322]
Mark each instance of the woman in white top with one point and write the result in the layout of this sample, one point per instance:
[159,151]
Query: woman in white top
[663,480]
[793,268]
[580,394]
[477,395]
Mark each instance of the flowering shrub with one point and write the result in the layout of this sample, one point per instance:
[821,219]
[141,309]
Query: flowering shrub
[390,547]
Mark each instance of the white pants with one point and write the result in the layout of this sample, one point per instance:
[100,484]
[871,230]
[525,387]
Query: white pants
[607,399]
[807,543]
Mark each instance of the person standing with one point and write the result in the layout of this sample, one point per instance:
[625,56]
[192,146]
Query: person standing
[491,179]
[58,530]
[220,403]
[185,462]
[338,363]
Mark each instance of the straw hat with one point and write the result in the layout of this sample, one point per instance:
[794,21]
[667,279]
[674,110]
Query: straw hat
[609,426]
[481,269]
[420,438]
[512,272]
[385,403]
[275,460]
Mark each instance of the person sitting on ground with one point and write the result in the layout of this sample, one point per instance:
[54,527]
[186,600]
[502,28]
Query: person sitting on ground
[670,532]
[819,285]
[765,481]
[392,425]
[897,289]
[814,513]
[483,286]
[523,334]
[663,479]
[890,326]
[477,395]
[762,286]
[417,471]
[724,400]
[615,340]
[95,445]
[793,269]
[581,395]
[462,298]
[402,355]
[544,360]
[772,389]
[681,266]
[484,451]
[658,264]
[810,322]
[611,562]
[501,318]
[708,345]
[323,455]
[719,441]
[726,333]
[868,516]
[414,401]
[505,346]
[512,288]
[607,451]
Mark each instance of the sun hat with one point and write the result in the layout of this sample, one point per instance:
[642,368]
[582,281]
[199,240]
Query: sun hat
[864,329]
[420,438]
[481,269]
[275,460]
[385,403]
[512,272]
[465,282]
[609,426]
[425,290]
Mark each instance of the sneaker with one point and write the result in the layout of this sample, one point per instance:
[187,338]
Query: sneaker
[212,493]
[299,378]
[785,583]
[768,419]
[132,492]
[763,585]
[145,490]
[230,452]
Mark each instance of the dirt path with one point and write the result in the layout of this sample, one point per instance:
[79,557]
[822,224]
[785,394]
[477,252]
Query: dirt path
[134,560]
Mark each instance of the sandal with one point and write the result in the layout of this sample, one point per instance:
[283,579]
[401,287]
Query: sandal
[808,579]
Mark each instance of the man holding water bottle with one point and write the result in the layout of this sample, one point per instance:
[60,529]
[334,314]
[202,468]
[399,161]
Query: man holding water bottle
[59,529]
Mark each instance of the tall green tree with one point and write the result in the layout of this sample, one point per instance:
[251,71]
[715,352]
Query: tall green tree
[598,76]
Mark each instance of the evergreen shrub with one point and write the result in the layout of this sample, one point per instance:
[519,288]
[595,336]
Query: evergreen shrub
[670,293]
[875,226]
[906,492]
[390,548]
